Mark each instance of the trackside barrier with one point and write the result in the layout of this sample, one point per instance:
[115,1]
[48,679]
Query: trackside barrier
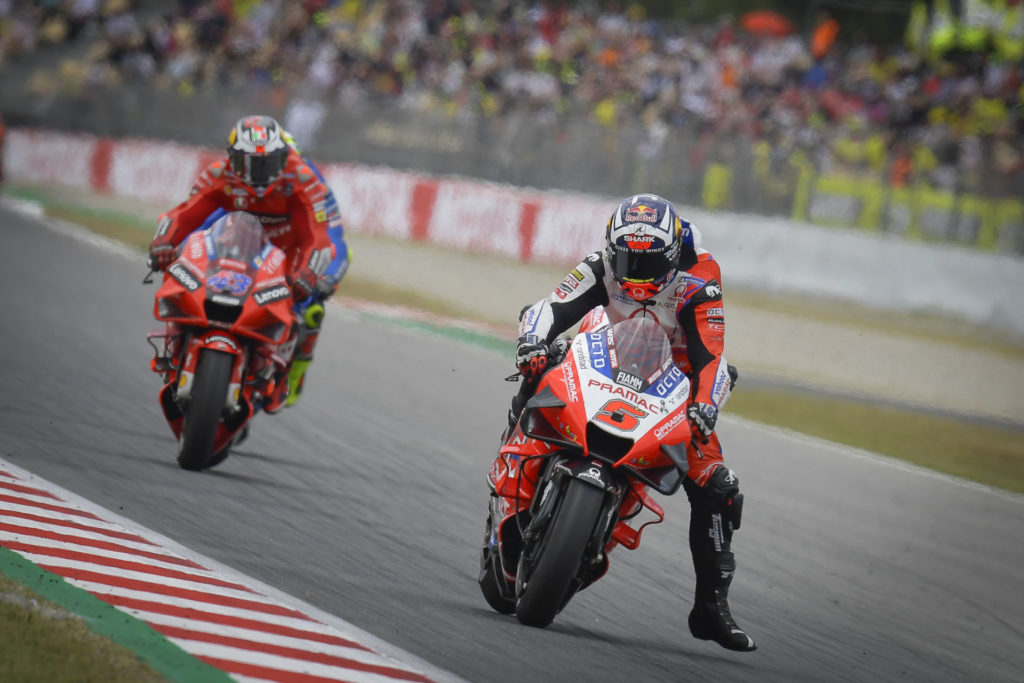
[920,213]
[767,254]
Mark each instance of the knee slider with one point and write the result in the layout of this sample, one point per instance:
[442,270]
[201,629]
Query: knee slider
[724,489]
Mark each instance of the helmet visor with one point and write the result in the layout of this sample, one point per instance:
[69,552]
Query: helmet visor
[632,266]
[257,169]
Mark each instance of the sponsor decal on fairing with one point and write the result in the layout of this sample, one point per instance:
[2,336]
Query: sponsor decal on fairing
[570,385]
[269,295]
[221,339]
[182,275]
[627,394]
[667,428]
[598,352]
[629,380]
[225,300]
[580,352]
[669,381]
[276,259]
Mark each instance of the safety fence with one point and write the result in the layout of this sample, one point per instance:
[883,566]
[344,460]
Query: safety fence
[761,253]
[572,153]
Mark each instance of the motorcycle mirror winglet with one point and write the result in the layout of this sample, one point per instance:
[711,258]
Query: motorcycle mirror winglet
[677,452]
[545,398]
[536,426]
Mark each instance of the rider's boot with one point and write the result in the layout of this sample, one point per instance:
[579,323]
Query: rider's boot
[715,511]
[309,333]
[277,396]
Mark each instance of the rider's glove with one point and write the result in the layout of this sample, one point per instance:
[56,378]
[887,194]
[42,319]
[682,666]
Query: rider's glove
[531,356]
[303,283]
[703,417]
[161,252]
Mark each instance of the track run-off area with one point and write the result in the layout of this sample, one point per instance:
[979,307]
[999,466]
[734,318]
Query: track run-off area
[357,516]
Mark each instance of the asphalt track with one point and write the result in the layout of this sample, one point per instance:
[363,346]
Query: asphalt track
[367,500]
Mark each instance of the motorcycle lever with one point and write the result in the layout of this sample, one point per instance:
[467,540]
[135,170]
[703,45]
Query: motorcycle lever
[514,378]
[148,280]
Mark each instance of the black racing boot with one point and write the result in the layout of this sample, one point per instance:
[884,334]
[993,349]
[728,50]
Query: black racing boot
[715,511]
[710,618]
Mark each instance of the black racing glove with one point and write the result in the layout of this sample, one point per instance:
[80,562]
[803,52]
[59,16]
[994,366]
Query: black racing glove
[531,356]
[703,417]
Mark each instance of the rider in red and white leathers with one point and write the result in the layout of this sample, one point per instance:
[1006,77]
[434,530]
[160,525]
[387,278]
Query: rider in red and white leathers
[653,265]
[265,176]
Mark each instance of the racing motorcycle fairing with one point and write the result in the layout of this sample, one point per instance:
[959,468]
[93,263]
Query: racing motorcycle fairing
[226,292]
[239,288]
[617,400]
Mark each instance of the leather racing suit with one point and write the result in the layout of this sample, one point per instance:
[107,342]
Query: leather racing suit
[689,308]
[297,215]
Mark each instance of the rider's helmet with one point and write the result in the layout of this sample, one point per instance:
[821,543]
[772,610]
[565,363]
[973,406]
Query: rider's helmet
[256,150]
[644,240]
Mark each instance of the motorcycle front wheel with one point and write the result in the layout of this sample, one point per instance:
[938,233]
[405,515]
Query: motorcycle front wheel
[557,562]
[202,414]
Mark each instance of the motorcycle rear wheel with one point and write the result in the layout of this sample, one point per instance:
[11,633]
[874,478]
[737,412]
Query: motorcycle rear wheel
[564,541]
[203,412]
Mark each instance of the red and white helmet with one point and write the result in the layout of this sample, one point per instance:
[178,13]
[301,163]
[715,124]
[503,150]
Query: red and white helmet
[256,150]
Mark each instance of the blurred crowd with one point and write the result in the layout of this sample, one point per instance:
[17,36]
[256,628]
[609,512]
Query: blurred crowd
[865,111]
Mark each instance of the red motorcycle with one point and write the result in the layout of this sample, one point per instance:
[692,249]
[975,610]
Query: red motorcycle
[228,337]
[606,423]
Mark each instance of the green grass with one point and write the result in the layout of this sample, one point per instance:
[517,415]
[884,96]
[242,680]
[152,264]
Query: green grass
[989,454]
[44,644]
[974,450]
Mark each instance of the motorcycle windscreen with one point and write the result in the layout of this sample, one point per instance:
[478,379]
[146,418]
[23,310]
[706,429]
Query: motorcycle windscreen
[641,351]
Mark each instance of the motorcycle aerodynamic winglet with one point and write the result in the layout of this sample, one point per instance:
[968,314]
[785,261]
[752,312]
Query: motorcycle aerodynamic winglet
[677,452]
[545,398]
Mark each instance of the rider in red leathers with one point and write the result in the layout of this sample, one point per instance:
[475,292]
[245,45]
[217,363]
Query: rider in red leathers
[653,265]
[265,176]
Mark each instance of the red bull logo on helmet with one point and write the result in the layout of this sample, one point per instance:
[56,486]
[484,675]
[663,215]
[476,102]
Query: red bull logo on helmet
[641,213]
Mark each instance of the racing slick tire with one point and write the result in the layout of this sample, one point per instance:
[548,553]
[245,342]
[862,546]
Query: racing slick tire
[203,412]
[556,563]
